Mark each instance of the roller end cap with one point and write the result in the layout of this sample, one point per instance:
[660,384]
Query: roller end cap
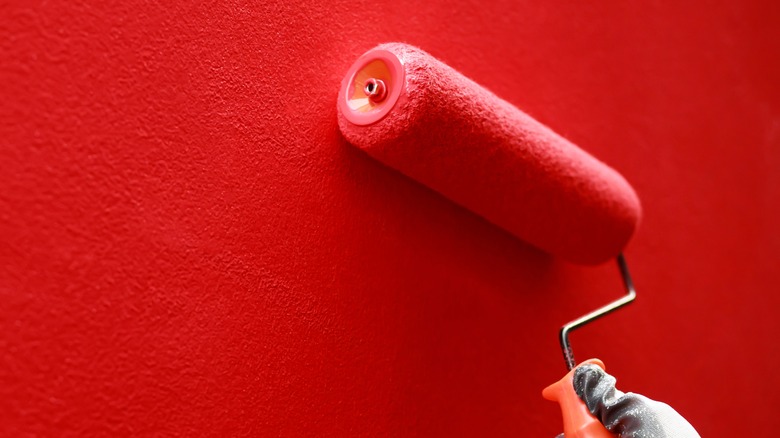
[371,87]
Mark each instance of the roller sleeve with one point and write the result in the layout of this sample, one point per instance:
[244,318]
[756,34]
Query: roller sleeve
[440,128]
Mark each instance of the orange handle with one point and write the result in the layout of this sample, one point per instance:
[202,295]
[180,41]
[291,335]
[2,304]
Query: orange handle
[577,420]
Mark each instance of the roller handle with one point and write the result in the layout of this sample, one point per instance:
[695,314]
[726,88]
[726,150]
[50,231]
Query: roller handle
[578,422]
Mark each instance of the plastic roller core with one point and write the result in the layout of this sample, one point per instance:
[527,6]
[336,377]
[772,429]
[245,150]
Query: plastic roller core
[371,87]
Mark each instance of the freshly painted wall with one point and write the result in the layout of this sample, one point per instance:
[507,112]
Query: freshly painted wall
[189,247]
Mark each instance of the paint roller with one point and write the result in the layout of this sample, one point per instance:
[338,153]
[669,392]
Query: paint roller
[419,116]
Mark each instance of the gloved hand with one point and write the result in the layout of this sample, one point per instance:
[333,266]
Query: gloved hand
[627,415]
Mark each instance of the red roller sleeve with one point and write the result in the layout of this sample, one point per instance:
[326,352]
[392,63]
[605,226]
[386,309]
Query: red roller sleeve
[423,118]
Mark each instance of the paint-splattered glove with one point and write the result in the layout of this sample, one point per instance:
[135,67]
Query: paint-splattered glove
[627,415]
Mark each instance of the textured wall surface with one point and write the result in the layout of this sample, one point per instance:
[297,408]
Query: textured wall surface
[188,246]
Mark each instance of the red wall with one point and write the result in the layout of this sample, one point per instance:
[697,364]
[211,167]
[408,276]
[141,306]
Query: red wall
[188,246]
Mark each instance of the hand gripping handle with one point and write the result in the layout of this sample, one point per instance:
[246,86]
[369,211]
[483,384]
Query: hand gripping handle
[577,420]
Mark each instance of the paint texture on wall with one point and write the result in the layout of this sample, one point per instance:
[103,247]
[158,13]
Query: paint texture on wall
[188,245]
